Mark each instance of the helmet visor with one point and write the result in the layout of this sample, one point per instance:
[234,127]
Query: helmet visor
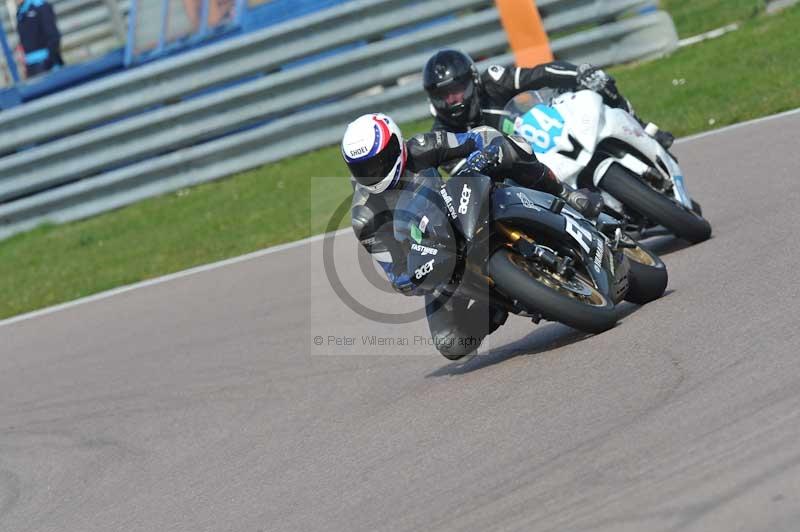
[370,171]
[455,94]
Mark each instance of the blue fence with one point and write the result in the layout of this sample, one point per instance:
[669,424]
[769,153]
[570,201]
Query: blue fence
[277,11]
[210,27]
[165,40]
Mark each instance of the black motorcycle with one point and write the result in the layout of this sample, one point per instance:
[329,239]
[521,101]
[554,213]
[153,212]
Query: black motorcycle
[524,251]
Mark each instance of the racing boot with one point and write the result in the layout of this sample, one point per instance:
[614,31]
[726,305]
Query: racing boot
[458,326]
[665,138]
[497,319]
[589,204]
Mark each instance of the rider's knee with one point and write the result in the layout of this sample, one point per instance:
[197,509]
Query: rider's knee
[456,344]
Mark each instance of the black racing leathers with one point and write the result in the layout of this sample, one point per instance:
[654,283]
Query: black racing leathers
[372,214]
[499,85]
[457,326]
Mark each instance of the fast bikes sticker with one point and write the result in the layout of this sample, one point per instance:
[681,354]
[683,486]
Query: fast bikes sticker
[424,250]
[448,200]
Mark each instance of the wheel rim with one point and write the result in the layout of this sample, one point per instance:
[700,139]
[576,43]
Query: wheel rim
[577,288]
[639,255]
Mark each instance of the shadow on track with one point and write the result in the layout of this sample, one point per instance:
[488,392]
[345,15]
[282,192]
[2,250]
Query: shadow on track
[544,338]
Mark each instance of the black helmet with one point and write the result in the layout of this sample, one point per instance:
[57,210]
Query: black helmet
[451,80]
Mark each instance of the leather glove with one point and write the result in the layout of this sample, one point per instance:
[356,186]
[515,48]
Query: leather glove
[589,204]
[595,79]
[471,138]
[402,284]
[483,162]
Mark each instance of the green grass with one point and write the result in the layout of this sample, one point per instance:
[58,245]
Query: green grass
[716,84]
[693,17]
[272,204]
[195,226]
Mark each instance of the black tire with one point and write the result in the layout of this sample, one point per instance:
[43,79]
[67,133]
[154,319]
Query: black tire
[506,268]
[634,194]
[647,278]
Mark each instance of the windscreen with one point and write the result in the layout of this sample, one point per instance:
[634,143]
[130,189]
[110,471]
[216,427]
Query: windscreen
[420,214]
[522,103]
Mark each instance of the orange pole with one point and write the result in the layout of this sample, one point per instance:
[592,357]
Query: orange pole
[525,30]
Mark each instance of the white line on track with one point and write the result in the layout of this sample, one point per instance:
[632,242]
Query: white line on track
[292,245]
[170,277]
[737,126]
[713,34]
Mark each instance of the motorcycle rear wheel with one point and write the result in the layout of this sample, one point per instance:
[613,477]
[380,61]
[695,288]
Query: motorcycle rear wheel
[575,302]
[647,277]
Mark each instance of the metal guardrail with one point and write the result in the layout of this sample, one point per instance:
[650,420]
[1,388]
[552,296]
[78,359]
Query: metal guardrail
[169,80]
[80,155]
[170,147]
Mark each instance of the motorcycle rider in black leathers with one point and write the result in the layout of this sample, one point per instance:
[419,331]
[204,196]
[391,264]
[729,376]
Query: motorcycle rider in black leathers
[383,167]
[461,98]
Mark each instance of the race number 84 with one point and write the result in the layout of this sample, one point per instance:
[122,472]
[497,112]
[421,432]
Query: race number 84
[540,128]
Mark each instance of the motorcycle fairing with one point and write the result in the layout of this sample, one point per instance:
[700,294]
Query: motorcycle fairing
[622,126]
[466,200]
[587,121]
[529,210]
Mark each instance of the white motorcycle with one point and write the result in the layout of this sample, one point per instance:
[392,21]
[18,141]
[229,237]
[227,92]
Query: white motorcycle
[590,145]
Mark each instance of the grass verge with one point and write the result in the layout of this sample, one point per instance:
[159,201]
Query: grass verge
[698,88]
[693,17]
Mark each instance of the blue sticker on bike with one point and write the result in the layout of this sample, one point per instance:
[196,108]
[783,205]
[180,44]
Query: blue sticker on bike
[541,126]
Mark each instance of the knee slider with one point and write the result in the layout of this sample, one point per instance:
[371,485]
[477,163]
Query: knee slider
[452,344]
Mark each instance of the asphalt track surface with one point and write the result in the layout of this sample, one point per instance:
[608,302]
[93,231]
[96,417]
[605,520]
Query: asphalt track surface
[202,404]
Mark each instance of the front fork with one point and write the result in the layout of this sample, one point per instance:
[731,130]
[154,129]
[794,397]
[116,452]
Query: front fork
[528,248]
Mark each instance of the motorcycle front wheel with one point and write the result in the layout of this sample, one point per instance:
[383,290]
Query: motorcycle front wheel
[637,196]
[574,302]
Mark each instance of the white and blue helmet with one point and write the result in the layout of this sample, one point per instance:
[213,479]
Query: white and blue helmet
[374,150]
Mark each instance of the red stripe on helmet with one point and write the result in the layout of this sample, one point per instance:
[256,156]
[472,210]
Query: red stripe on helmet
[384,132]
